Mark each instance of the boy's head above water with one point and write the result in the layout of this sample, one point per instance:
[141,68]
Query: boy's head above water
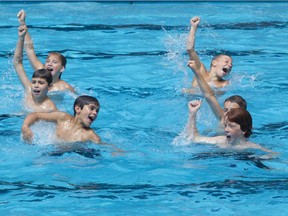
[43,74]
[83,100]
[233,102]
[238,122]
[55,63]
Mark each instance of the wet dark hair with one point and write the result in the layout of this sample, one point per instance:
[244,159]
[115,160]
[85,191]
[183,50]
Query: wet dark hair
[62,58]
[239,100]
[241,117]
[44,74]
[83,100]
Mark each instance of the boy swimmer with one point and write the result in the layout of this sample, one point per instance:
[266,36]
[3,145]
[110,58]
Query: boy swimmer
[55,61]
[36,98]
[221,65]
[69,129]
[238,128]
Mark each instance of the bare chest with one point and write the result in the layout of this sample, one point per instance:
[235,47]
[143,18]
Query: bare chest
[69,133]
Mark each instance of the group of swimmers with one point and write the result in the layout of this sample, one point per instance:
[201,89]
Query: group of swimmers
[47,77]
[235,119]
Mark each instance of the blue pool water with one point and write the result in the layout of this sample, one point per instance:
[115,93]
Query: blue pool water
[132,58]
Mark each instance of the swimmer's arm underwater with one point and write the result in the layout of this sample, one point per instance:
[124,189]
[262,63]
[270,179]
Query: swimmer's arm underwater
[97,140]
[270,154]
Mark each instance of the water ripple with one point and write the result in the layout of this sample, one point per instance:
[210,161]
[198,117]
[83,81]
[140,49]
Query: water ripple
[229,187]
[154,27]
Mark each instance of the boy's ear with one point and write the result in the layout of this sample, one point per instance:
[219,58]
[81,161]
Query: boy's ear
[77,109]
[62,69]
[50,86]
[214,63]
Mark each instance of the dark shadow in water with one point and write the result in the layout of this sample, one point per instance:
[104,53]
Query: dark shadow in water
[243,156]
[154,27]
[6,116]
[89,153]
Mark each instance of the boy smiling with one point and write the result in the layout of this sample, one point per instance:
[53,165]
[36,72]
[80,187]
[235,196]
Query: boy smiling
[69,129]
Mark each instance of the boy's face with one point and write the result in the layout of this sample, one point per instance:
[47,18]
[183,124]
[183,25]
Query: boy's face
[53,64]
[233,131]
[87,114]
[39,87]
[223,66]
[230,105]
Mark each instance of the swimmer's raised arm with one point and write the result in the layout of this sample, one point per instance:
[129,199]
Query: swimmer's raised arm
[18,58]
[29,47]
[190,47]
[207,91]
[191,128]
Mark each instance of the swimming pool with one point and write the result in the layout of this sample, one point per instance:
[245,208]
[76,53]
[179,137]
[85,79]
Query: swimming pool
[132,58]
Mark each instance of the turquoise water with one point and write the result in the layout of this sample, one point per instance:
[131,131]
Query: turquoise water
[132,58]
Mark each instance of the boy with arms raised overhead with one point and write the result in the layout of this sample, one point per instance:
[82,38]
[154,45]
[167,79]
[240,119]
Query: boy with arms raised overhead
[221,65]
[55,61]
[70,129]
[36,98]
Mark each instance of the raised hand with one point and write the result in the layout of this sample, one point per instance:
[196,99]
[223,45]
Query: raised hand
[21,17]
[194,106]
[195,21]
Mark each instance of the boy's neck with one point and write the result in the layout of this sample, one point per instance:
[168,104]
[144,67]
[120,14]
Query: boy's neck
[238,142]
[39,100]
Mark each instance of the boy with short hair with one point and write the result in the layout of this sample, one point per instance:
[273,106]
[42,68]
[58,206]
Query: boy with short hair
[238,128]
[221,65]
[234,101]
[70,129]
[36,98]
[55,61]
